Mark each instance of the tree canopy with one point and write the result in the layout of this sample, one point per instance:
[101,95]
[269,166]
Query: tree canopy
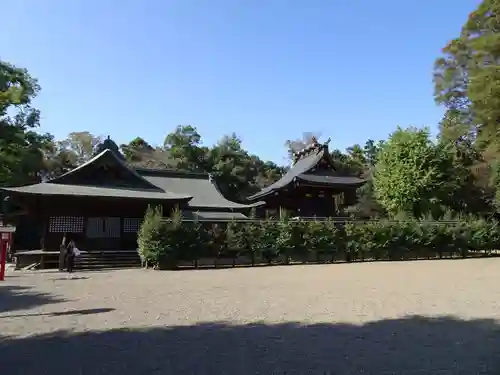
[22,149]
[467,76]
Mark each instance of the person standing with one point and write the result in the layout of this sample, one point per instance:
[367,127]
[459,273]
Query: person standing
[70,256]
[62,253]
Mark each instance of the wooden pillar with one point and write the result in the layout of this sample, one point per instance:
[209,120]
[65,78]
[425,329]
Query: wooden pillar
[121,233]
[41,221]
[45,228]
[84,232]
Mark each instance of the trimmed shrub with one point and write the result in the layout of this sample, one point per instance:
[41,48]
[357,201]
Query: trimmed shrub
[151,237]
[165,242]
[270,232]
[319,237]
[290,240]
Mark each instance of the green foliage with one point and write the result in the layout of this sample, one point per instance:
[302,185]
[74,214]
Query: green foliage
[21,148]
[317,235]
[180,241]
[235,237]
[467,84]
[136,149]
[151,237]
[82,145]
[399,240]
[467,75]
[164,243]
[290,240]
[270,231]
[367,205]
[495,177]
[183,144]
[410,175]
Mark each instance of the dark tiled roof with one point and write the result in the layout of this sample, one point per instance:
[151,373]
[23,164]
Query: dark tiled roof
[111,158]
[48,188]
[302,170]
[302,165]
[198,185]
[62,186]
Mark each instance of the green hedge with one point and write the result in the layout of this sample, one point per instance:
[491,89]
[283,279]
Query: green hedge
[163,243]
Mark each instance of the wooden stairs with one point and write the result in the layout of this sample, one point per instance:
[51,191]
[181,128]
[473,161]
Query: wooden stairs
[96,260]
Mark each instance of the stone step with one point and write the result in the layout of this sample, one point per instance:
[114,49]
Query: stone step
[105,266]
[80,258]
[108,259]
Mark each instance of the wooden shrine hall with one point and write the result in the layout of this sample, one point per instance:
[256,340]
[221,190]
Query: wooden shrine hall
[101,203]
[311,188]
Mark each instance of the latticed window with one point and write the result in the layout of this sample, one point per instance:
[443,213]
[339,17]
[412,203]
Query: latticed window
[103,227]
[131,224]
[66,224]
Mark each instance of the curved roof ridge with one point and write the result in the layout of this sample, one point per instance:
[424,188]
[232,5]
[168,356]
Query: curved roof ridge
[307,160]
[97,157]
[302,165]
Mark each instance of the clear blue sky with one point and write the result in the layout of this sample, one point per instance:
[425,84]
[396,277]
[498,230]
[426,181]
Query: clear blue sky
[268,70]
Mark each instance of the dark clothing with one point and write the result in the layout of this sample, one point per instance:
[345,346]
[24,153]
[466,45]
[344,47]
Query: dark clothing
[70,262]
[62,257]
[70,257]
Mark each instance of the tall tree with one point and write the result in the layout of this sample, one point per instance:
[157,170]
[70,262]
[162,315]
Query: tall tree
[410,175]
[184,145]
[371,150]
[232,167]
[140,153]
[467,83]
[135,150]
[467,76]
[82,144]
[58,160]
[21,147]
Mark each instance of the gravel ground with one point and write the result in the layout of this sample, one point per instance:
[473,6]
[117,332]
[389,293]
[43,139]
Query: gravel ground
[425,317]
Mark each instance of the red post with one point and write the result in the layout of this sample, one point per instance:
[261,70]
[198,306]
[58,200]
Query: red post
[3,255]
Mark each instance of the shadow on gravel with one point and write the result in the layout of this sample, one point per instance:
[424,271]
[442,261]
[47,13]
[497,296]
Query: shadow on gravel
[414,345]
[62,313]
[20,297]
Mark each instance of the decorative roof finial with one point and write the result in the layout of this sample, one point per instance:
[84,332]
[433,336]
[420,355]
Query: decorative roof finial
[314,140]
[108,138]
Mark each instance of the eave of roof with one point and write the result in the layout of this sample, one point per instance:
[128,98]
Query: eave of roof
[51,189]
[331,180]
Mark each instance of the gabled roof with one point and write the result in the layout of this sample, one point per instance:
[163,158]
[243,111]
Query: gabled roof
[65,185]
[110,158]
[304,170]
[200,186]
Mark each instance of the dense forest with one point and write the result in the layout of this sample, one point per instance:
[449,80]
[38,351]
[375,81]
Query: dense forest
[410,173]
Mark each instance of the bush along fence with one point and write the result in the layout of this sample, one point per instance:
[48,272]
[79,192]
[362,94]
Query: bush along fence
[169,243]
